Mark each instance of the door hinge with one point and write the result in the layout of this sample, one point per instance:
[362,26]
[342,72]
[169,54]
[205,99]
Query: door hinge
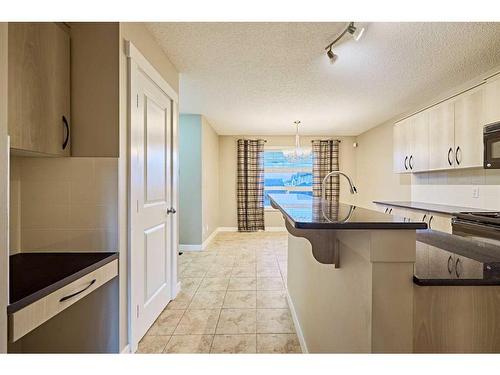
[137,310]
[137,101]
[138,205]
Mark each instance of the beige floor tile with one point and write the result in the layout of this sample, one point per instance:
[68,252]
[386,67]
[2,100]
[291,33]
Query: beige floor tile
[274,321]
[243,271]
[242,283]
[240,300]
[207,300]
[234,344]
[219,271]
[166,322]
[213,284]
[181,302]
[189,344]
[270,283]
[224,260]
[194,271]
[271,299]
[268,272]
[190,284]
[198,322]
[278,343]
[152,344]
[237,321]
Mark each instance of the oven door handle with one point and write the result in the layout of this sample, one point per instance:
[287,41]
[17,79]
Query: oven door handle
[460,223]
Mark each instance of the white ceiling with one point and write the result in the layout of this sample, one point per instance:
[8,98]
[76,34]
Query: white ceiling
[257,78]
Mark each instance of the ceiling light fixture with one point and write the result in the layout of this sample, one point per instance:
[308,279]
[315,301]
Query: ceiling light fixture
[356,33]
[299,153]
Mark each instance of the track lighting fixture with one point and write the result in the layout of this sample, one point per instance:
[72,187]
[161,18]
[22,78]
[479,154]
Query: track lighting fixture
[356,33]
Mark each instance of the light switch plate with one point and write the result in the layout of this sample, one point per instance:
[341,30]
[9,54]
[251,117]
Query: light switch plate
[475,192]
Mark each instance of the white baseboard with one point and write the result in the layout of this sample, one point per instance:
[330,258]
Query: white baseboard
[227,229]
[275,229]
[126,350]
[189,247]
[300,334]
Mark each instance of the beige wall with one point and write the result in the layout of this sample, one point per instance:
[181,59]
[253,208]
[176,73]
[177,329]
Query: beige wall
[209,179]
[64,204]
[375,179]
[227,173]
[145,43]
[4,256]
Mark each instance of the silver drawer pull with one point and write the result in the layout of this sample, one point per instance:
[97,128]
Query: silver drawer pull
[77,293]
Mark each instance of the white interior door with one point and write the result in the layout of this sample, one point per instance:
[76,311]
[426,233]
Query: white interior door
[151,202]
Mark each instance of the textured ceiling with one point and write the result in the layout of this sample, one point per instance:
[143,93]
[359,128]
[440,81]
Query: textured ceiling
[257,78]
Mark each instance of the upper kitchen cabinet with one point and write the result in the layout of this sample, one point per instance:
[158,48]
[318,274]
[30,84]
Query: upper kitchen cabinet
[411,140]
[39,88]
[441,136]
[469,129]
[491,100]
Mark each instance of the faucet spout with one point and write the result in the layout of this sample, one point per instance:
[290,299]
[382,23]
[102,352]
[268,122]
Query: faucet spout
[323,184]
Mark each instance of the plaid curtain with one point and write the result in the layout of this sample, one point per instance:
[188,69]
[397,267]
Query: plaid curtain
[326,160]
[250,185]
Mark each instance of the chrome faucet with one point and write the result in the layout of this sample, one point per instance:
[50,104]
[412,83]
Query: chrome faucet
[323,187]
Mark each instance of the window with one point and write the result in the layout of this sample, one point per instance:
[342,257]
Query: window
[284,176]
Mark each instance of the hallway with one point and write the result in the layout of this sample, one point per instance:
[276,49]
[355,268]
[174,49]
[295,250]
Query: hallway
[233,300]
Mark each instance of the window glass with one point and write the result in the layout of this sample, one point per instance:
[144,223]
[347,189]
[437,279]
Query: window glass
[285,175]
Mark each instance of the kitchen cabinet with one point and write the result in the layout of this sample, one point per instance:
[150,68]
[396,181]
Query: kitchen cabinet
[411,143]
[469,129]
[448,135]
[441,136]
[401,138]
[491,98]
[39,88]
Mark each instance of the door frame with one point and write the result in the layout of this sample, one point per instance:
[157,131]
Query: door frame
[138,64]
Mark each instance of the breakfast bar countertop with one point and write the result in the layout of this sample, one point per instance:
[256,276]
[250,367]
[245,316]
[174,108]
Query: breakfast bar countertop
[33,276]
[306,212]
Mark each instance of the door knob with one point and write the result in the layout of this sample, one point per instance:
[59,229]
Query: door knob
[171,210]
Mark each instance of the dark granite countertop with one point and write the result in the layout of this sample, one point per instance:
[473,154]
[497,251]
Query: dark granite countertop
[431,207]
[306,212]
[33,276]
[486,253]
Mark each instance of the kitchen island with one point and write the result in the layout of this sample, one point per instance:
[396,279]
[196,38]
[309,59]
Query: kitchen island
[350,276]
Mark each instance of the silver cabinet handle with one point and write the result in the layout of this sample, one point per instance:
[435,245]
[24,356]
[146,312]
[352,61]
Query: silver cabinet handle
[406,160]
[458,270]
[456,155]
[171,210]
[450,265]
[450,162]
[430,221]
[410,162]
[65,298]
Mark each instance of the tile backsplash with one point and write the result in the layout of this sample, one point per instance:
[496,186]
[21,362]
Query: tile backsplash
[64,204]
[475,187]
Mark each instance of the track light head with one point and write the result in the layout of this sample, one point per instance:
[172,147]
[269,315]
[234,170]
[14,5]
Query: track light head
[356,32]
[333,57]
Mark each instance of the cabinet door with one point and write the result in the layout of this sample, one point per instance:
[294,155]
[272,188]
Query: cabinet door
[39,87]
[439,222]
[491,98]
[441,263]
[419,156]
[441,136]
[400,155]
[469,129]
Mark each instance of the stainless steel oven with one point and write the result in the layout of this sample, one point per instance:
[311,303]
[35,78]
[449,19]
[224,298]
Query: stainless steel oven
[491,140]
[483,226]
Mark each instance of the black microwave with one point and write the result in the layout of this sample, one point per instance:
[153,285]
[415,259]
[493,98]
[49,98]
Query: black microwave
[491,139]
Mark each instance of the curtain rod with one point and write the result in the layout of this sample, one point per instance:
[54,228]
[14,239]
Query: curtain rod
[338,140]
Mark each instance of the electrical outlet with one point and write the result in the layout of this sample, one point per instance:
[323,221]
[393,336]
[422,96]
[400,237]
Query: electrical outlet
[475,192]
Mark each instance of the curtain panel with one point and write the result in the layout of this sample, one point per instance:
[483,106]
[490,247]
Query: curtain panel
[250,185]
[326,160]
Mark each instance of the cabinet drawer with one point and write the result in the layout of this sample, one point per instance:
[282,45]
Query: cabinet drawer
[25,320]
